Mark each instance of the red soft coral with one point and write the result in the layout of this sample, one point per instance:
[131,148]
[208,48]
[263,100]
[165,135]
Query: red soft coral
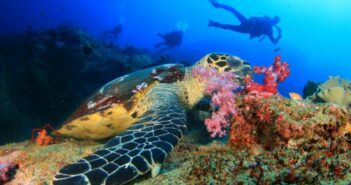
[254,101]
[274,74]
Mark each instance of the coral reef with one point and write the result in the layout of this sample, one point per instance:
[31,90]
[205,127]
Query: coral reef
[38,164]
[274,140]
[309,144]
[275,120]
[281,141]
[334,90]
[314,163]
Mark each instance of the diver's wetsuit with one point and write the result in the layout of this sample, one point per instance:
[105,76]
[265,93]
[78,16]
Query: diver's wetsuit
[171,40]
[255,26]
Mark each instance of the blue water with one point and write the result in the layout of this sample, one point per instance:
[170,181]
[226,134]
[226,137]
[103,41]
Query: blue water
[315,38]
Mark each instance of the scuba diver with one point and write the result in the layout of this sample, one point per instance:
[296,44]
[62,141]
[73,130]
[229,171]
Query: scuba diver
[112,35]
[170,40]
[255,26]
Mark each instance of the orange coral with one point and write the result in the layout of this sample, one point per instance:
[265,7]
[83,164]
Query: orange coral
[43,139]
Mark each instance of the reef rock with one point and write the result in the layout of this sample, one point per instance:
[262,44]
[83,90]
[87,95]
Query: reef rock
[334,90]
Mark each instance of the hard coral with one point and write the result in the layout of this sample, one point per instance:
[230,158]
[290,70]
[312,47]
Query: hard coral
[334,90]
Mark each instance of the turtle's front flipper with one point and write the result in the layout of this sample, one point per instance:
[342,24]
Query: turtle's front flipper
[143,147]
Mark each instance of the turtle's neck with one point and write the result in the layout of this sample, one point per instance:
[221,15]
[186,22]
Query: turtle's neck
[191,90]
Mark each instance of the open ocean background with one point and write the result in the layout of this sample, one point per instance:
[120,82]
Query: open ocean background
[316,33]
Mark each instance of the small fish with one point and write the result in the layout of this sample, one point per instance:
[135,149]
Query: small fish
[277,49]
[295,96]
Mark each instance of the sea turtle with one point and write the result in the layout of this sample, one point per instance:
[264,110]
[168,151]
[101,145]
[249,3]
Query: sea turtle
[145,113]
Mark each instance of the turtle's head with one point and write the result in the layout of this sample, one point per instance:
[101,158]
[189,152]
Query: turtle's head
[225,62]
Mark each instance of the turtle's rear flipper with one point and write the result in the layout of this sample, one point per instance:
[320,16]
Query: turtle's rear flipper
[143,147]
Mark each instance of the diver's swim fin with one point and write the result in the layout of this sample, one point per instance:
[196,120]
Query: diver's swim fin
[214,3]
[210,23]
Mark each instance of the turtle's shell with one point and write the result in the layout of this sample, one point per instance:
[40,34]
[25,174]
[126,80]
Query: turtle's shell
[120,95]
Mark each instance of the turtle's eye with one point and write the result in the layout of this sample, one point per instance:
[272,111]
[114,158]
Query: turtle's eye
[233,62]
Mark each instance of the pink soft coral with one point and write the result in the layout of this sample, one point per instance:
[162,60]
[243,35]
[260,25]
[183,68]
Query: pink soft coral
[220,86]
